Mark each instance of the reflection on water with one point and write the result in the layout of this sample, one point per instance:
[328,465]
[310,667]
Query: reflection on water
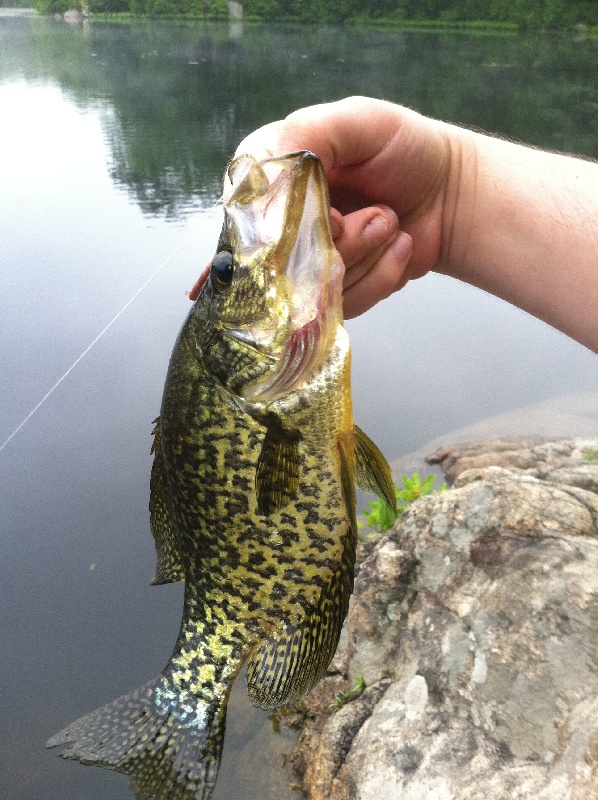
[181,94]
[113,143]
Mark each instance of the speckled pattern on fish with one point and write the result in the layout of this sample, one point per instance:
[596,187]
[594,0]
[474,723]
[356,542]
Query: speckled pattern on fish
[252,486]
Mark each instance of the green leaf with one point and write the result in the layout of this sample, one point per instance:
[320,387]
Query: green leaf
[381,517]
[347,695]
[427,484]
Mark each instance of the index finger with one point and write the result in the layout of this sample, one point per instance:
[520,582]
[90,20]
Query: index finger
[341,134]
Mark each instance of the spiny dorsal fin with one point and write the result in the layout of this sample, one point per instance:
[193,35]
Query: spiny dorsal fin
[372,473]
[285,668]
[168,565]
[277,474]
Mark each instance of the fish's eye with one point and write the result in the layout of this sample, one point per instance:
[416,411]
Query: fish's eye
[222,269]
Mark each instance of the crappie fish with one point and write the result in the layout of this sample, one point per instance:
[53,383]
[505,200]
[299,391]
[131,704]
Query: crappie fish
[252,488]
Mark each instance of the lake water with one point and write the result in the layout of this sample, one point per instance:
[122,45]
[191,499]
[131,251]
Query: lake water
[113,141]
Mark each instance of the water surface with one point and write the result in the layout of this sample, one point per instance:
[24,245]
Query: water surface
[113,142]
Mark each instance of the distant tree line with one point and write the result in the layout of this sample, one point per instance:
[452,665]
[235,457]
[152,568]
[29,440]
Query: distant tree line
[525,14]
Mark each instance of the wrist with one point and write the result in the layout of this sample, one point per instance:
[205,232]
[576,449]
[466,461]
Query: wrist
[459,201]
[522,224]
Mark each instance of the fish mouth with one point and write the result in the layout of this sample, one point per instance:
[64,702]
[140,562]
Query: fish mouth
[280,207]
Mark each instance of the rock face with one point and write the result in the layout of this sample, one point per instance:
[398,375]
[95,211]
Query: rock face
[474,624]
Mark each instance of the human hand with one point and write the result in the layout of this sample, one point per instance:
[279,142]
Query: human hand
[388,171]
[411,193]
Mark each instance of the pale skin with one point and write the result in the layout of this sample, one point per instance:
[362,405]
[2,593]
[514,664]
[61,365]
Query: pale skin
[412,194]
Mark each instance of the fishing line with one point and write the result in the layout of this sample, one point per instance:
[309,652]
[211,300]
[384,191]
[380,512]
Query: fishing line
[98,337]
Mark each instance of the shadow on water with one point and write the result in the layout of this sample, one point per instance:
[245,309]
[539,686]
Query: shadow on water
[112,147]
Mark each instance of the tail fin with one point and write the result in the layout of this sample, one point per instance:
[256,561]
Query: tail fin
[169,742]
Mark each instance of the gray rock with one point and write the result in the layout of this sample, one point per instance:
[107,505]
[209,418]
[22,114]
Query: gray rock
[474,624]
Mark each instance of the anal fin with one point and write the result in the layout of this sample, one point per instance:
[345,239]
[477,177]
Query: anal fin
[283,669]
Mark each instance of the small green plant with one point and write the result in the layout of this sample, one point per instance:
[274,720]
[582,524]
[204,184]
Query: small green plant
[591,455]
[347,695]
[381,517]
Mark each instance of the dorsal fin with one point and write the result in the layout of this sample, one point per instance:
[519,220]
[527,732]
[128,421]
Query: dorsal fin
[372,473]
[285,668]
[168,565]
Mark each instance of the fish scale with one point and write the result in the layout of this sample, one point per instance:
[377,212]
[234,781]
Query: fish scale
[231,446]
[252,486]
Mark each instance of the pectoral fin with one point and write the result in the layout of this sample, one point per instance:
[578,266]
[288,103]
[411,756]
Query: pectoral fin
[277,474]
[168,566]
[372,473]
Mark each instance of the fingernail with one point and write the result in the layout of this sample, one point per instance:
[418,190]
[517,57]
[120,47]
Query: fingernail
[377,230]
[402,246]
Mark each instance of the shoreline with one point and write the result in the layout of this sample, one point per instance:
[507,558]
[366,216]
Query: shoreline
[479,27]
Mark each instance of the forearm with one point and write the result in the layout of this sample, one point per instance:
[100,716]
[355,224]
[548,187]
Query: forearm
[523,225]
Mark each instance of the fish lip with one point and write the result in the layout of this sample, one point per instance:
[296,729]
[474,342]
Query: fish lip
[266,204]
[261,199]
[231,194]
[278,214]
